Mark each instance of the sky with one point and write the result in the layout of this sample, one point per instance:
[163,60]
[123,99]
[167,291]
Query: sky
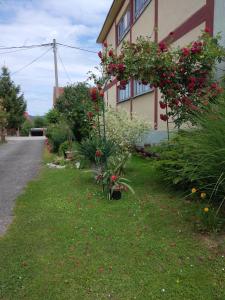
[28,22]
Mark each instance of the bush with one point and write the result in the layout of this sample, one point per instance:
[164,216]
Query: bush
[96,150]
[26,127]
[196,157]
[123,131]
[58,134]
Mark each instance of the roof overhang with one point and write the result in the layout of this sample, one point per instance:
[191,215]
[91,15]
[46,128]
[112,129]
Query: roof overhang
[114,9]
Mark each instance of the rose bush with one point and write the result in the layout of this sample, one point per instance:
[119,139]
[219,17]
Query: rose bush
[183,75]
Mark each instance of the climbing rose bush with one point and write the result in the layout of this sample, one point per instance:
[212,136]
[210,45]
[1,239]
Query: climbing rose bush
[183,75]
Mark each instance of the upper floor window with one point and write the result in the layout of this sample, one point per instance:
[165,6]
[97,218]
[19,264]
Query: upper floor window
[139,5]
[140,88]
[124,25]
[125,93]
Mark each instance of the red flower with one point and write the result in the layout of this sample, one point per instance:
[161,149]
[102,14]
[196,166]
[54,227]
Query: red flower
[121,68]
[185,51]
[164,117]
[162,105]
[100,54]
[101,93]
[162,47]
[94,93]
[207,30]
[111,52]
[98,153]
[113,178]
[105,44]
[171,33]
[214,86]
[144,82]
[123,82]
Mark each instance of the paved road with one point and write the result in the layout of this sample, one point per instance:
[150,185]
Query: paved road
[20,160]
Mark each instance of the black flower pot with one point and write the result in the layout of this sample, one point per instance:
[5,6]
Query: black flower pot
[116,195]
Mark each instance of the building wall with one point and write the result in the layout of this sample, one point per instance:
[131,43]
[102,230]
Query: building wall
[173,13]
[144,25]
[143,107]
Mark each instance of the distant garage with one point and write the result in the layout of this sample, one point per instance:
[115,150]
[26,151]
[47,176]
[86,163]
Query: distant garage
[37,131]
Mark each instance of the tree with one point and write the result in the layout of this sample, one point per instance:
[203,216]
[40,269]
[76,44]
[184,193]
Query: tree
[52,116]
[39,122]
[73,106]
[3,121]
[12,100]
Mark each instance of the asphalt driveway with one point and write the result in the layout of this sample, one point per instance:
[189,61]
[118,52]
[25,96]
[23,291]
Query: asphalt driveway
[20,160]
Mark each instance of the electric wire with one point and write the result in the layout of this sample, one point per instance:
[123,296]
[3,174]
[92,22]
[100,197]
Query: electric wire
[67,74]
[77,48]
[25,47]
[33,61]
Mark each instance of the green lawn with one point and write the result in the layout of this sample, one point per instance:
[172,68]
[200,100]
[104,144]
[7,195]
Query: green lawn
[67,242]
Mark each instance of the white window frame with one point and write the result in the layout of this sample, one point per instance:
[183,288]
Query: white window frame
[123,32]
[124,95]
[142,4]
[140,88]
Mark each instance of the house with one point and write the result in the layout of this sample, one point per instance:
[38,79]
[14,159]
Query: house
[129,19]
[56,93]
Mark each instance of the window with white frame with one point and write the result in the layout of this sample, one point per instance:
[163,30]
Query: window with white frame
[139,5]
[124,25]
[140,88]
[125,93]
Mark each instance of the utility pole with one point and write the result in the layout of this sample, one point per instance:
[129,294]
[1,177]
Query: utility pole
[56,68]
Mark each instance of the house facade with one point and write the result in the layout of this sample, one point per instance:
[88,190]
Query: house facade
[129,19]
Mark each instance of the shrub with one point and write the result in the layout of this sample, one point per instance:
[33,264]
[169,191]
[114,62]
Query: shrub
[123,131]
[73,106]
[57,134]
[96,150]
[26,127]
[196,157]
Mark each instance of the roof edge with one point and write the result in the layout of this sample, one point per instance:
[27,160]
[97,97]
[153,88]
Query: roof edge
[113,11]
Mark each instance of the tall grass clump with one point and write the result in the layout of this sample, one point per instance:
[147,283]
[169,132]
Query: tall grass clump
[196,157]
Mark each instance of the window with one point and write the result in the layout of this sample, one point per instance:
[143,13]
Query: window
[139,5]
[124,25]
[124,94]
[140,88]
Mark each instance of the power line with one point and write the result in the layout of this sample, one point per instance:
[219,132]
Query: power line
[77,48]
[67,74]
[33,61]
[19,50]
[25,47]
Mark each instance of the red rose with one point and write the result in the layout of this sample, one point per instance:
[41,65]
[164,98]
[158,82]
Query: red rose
[94,93]
[214,85]
[144,82]
[101,93]
[207,30]
[121,68]
[105,44]
[113,178]
[185,51]
[164,117]
[162,105]
[123,82]
[98,153]
[111,52]
[163,47]
[100,54]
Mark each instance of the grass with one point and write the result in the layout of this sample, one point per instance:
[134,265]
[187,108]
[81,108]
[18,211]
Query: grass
[67,242]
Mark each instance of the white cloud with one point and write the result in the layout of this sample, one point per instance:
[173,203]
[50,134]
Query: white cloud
[71,22]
